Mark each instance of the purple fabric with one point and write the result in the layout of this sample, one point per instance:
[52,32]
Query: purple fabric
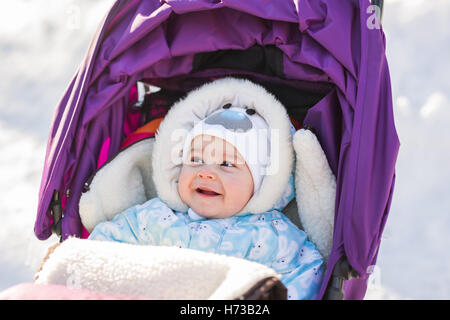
[324,42]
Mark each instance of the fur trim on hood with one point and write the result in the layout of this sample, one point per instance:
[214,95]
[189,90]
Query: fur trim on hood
[198,104]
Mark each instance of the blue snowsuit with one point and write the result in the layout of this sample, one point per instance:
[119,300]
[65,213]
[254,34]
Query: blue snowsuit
[269,238]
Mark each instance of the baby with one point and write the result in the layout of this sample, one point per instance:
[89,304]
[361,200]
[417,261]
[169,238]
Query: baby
[219,176]
[215,183]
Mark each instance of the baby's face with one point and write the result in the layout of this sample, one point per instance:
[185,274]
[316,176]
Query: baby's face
[216,182]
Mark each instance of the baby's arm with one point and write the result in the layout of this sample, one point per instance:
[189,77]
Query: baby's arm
[297,260]
[303,283]
[118,229]
[141,224]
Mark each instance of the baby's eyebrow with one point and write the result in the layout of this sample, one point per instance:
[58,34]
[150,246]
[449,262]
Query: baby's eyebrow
[231,155]
[228,153]
[235,156]
[196,150]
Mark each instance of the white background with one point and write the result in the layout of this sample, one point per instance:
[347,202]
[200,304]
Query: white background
[42,42]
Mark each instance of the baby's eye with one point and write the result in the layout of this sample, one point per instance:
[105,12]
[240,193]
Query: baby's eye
[196,160]
[227,164]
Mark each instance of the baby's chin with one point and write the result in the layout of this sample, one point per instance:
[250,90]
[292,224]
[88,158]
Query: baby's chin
[213,207]
[215,212]
[212,214]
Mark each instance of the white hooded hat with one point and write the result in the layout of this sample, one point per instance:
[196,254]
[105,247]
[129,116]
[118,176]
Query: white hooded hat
[188,118]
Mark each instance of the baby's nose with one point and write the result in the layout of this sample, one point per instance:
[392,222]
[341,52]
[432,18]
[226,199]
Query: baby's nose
[206,174]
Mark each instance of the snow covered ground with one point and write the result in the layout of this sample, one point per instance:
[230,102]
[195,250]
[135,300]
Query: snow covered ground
[43,41]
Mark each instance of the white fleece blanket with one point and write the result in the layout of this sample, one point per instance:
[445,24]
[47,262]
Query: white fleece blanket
[149,271]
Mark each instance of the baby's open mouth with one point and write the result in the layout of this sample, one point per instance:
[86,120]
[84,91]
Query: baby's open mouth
[207,192]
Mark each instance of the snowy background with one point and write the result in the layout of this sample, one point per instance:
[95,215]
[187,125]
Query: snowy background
[42,43]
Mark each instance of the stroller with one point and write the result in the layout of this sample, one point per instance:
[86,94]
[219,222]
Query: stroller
[321,59]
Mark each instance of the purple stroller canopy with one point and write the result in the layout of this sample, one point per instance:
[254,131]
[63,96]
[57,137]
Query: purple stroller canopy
[322,44]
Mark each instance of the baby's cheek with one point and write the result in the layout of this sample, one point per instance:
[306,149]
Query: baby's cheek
[238,192]
[183,184]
